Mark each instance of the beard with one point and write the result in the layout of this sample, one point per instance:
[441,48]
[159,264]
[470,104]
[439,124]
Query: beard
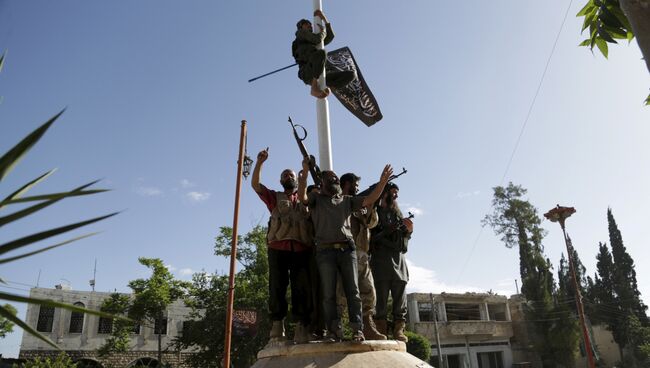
[289,184]
[390,201]
[334,189]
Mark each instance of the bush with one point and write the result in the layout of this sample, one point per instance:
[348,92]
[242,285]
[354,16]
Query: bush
[418,346]
[61,361]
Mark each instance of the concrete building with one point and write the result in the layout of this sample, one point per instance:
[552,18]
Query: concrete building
[475,330]
[79,335]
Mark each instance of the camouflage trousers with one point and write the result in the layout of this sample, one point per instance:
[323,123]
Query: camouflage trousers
[366,287]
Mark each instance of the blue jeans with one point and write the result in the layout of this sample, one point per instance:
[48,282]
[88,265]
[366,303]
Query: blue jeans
[330,263]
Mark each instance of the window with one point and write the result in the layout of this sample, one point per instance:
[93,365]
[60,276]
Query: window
[136,329]
[425,312]
[493,359]
[187,326]
[105,325]
[77,320]
[45,319]
[455,360]
[463,312]
[160,326]
[497,312]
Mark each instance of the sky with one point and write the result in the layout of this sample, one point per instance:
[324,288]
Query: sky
[155,91]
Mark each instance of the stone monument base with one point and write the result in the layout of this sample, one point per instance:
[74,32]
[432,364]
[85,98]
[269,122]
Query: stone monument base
[375,354]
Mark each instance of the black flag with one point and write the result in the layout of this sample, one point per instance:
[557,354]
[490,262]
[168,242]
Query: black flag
[356,96]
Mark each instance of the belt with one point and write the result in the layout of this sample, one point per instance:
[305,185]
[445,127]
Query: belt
[339,246]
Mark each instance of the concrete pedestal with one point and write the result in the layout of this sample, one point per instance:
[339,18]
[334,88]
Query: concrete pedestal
[375,354]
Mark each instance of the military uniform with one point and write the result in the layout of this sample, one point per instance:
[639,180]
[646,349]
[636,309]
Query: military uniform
[388,245]
[311,60]
[289,241]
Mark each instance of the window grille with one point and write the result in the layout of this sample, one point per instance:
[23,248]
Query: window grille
[45,319]
[77,320]
[105,325]
[160,326]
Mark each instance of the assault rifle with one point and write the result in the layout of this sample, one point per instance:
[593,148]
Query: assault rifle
[366,192]
[314,170]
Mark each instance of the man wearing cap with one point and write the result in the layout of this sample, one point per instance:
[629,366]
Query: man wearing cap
[311,60]
[360,224]
[289,240]
[330,212]
[388,244]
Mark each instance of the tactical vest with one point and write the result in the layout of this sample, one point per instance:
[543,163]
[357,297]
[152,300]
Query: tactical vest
[290,221]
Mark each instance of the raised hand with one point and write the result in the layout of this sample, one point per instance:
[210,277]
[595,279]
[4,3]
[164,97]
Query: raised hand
[386,173]
[263,155]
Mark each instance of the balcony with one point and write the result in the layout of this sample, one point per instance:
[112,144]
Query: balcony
[456,329]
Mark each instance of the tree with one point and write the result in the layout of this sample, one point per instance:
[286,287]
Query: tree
[609,20]
[606,308]
[519,224]
[6,326]
[118,305]
[152,296]
[208,295]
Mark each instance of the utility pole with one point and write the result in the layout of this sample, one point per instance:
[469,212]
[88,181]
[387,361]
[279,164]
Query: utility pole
[560,214]
[322,109]
[434,310]
[233,251]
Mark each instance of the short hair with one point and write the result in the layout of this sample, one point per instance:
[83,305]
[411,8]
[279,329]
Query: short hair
[301,22]
[390,186]
[311,187]
[349,178]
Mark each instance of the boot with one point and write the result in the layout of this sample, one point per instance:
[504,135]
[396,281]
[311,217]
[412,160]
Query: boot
[302,334]
[382,326]
[277,330]
[370,330]
[398,331]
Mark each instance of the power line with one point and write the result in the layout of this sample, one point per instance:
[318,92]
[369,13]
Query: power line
[521,132]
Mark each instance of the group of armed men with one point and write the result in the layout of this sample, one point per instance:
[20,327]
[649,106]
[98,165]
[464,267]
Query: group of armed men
[320,236]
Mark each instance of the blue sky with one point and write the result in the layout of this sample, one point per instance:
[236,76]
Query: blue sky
[155,92]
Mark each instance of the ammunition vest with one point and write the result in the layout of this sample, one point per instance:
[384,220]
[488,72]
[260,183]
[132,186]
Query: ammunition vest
[290,221]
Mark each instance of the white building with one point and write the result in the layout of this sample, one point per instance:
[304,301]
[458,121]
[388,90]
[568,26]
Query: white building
[474,329]
[80,334]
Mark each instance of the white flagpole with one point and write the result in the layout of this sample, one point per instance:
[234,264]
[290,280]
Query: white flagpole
[322,111]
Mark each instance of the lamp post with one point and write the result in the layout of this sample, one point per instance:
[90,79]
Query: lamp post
[560,214]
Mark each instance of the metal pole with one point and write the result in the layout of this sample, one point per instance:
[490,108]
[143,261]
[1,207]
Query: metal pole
[434,309]
[233,251]
[322,111]
[581,312]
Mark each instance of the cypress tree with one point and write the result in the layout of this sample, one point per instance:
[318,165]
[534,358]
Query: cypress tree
[624,275]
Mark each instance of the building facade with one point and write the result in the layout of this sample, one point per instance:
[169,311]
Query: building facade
[80,335]
[474,330]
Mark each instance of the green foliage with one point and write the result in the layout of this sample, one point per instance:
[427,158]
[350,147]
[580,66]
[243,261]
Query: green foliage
[208,297]
[554,325]
[61,361]
[639,341]
[606,22]
[118,305]
[418,346]
[8,162]
[152,296]
[6,326]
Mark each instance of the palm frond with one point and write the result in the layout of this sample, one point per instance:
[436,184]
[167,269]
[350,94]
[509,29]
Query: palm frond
[11,158]
[17,194]
[24,241]
[7,260]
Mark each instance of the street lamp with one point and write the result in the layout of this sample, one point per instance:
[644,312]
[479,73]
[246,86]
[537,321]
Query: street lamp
[560,214]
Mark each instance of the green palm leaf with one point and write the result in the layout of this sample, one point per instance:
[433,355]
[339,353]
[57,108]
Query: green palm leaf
[17,194]
[2,61]
[8,315]
[54,304]
[29,210]
[6,260]
[24,241]
[11,158]
[43,197]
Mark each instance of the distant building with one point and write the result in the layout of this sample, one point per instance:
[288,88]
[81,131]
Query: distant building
[79,335]
[481,330]
[474,329]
